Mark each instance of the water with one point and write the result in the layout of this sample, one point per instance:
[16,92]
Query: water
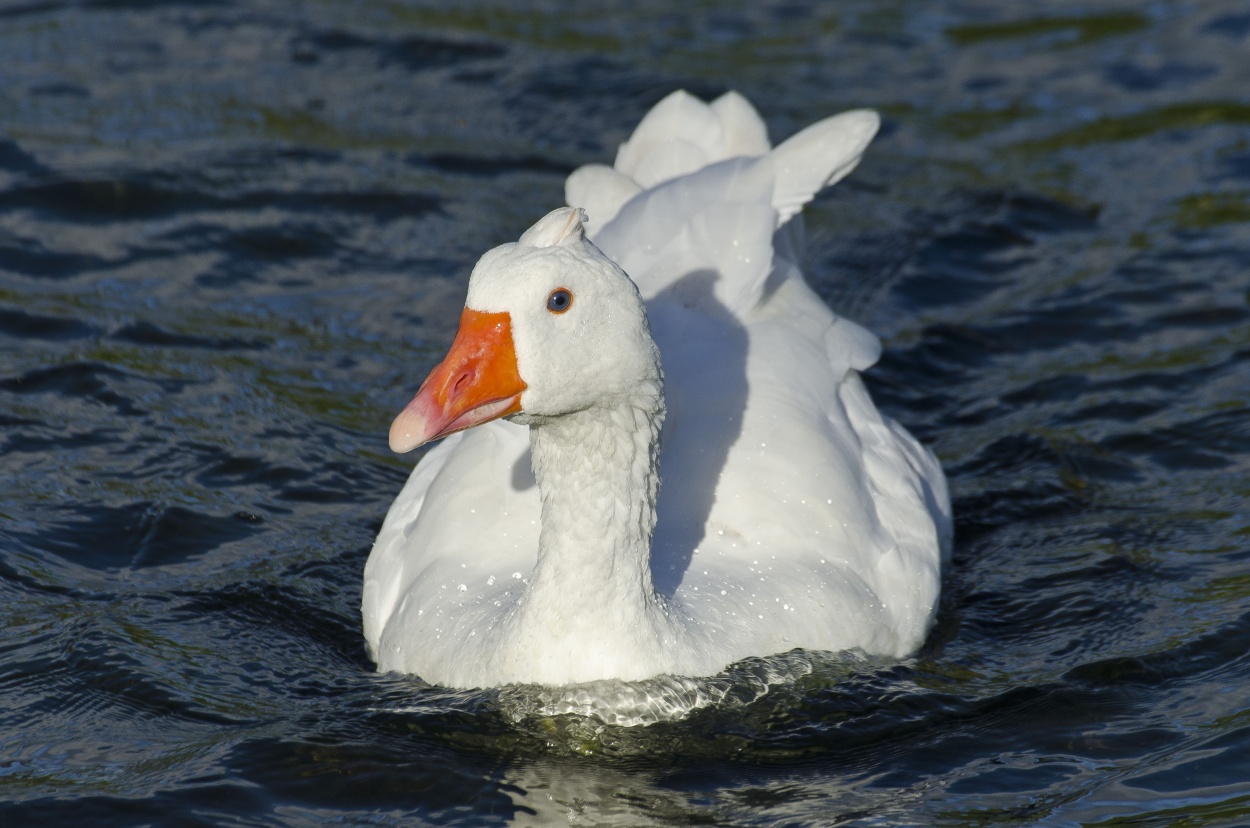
[234,236]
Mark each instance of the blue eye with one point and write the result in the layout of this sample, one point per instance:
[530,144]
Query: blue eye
[559,300]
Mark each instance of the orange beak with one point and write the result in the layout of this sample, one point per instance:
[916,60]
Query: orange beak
[477,382]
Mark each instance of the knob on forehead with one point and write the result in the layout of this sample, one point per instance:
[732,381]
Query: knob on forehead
[562,226]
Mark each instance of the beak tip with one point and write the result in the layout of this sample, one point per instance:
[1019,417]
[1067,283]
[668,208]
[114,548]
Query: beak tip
[405,434]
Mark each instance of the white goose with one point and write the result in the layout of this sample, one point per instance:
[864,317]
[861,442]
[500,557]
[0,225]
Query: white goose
[540,547]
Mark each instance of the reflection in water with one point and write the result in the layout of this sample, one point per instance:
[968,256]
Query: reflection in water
[227,235]
[572,792]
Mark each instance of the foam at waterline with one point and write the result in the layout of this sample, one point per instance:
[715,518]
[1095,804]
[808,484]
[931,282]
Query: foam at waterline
[671,698]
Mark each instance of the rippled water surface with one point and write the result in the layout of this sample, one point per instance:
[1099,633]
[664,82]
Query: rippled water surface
[235,235]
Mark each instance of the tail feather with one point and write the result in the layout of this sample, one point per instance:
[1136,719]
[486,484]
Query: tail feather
[742,129]
[692,184]
[819,156]
[679,119]
[682,134]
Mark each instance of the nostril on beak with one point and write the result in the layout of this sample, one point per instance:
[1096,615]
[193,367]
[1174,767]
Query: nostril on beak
[462,382]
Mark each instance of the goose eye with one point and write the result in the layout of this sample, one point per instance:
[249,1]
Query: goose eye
[559,300]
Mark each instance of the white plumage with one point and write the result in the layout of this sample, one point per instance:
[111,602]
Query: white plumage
[789,512]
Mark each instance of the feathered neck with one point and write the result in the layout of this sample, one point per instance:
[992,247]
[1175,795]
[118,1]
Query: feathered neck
[590,610]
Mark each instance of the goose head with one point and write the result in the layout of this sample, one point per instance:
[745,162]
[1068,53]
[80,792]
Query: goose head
[551,326]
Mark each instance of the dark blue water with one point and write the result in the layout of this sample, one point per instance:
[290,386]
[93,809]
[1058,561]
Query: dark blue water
[235,235]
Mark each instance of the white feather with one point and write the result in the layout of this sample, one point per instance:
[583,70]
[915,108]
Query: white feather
[791,512]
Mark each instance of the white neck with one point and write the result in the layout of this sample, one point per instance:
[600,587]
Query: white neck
[590,606]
